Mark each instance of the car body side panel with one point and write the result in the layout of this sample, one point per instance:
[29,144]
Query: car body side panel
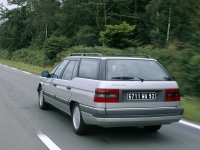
[83,92]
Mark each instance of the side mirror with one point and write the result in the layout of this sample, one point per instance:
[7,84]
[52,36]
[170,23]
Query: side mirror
[45,74]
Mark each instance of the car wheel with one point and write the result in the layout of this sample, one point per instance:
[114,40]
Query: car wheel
[152,128]
[42,103]
[79,126]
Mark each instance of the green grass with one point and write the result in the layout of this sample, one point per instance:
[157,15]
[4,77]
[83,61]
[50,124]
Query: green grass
[191,105]
[191,109]
[26,67]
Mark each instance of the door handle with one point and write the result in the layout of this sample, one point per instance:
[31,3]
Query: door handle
[68,87]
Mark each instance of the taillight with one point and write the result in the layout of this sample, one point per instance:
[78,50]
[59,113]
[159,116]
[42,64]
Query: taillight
[106,95]
[172,95]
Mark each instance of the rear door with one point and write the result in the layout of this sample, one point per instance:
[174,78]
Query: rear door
[64,86]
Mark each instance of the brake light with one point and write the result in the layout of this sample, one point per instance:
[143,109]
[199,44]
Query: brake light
[172,95]
[106,95]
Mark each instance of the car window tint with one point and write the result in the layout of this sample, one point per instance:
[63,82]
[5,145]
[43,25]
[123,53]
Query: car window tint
[67,74]
[60,68]
[89,68]
[145,69]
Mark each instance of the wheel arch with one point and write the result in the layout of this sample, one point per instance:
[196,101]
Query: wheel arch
[71,104]
[39,86]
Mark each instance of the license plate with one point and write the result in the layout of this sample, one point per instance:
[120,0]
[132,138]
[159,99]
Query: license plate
[141,96]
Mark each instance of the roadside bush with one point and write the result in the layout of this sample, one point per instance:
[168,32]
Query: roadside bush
[5,54]
[53,46]
[23,55]
[34,57]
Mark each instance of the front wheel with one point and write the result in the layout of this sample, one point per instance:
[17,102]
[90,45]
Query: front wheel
[79,126]
[152,128]
[42,103]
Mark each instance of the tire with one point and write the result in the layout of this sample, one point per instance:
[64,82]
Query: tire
[42,103]
[80,128]
[152,128]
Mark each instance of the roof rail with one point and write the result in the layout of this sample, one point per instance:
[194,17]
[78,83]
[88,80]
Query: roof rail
[85,54]
[132,55]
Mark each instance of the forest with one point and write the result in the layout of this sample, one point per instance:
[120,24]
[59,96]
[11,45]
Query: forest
[42,32]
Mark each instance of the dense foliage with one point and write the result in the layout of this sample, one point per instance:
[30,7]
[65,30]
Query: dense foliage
[42,32]
[119,36]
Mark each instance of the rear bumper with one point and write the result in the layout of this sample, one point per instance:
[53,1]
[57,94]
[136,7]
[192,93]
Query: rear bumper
[99,117]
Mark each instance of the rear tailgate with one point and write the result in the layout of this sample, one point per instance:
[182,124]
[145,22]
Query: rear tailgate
[138,98]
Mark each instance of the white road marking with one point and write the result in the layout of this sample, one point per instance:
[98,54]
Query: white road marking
[26,72]
[189,124]
[17,69]
[47,141]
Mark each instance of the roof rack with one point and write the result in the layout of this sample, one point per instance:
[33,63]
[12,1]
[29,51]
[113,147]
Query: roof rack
[85,54]
[131,55]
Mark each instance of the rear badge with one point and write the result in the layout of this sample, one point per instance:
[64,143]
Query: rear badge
[118,84]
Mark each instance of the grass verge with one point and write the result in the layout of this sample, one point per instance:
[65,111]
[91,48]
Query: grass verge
[191,109]
[191,105]
[26,67]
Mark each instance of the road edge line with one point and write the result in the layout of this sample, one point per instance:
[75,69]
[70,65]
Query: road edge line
[190,124]
[26,72]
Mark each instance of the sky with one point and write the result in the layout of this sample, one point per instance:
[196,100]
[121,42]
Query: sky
[5,4]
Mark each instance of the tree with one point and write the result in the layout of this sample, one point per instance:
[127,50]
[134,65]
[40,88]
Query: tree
[53,46]
[119,36]
[85,36]
[45,11]
[173,21]
[12,30]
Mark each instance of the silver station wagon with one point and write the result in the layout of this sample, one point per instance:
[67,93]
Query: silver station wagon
[113,91]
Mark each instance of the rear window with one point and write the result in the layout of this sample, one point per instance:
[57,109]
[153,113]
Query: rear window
[149,70]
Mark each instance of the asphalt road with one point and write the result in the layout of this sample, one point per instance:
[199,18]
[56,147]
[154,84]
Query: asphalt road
[22,123]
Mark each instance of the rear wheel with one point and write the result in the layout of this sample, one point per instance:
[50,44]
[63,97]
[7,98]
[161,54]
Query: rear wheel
[152,128]
[42,103]
[79,126]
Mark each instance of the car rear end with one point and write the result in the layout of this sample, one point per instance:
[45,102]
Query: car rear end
[136,92]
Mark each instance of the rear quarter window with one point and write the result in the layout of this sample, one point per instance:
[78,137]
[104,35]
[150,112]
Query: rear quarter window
[89,68]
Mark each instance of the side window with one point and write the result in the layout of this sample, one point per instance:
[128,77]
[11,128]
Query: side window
[75,70]
[67,75]
[89,68]
[59,69]
[55,68]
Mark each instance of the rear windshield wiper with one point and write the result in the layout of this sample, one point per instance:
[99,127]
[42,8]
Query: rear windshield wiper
[127,78]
